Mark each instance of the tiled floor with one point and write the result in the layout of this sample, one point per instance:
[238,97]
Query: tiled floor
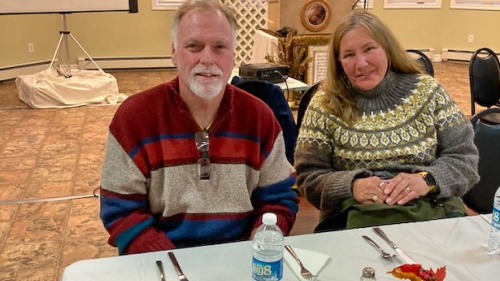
[58,152]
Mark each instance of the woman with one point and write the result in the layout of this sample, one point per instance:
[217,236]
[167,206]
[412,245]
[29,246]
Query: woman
[381,135]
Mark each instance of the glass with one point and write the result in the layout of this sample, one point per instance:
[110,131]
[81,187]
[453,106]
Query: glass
[202,141]
[368,274]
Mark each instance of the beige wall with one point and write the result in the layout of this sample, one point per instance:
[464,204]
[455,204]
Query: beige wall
[287,13]
[17,31]
[442,28]
[147,33]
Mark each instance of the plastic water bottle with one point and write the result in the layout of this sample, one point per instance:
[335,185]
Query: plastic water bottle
[494,243]
[267,262]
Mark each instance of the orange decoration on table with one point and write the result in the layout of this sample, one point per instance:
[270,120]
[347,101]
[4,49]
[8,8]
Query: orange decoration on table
[415,272]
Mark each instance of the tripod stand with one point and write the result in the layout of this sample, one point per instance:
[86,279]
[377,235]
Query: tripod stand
[64,68]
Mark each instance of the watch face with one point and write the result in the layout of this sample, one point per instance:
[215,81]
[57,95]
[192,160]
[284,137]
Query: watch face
[429,180]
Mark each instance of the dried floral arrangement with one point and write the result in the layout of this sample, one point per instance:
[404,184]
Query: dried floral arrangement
[292,51]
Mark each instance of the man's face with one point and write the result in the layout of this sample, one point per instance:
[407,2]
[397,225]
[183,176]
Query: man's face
[204,54]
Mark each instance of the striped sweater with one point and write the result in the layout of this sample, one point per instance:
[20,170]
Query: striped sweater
[408,124]
[151,195]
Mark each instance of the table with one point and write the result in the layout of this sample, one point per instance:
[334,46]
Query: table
[458,243]
[291,83]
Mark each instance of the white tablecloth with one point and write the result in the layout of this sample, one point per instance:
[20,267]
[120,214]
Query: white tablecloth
[264,44]
[459,244]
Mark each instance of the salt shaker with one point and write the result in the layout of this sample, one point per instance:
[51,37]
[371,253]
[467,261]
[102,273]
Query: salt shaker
[368,274]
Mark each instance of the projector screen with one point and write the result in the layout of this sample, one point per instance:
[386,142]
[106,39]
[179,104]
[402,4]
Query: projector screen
[65,6]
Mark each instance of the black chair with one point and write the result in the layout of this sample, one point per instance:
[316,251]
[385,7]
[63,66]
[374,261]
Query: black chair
[274,97]
[304,102]
[487,140]
[424,60]
[484,77]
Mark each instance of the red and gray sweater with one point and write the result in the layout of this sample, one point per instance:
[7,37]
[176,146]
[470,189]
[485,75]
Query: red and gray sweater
[151,195]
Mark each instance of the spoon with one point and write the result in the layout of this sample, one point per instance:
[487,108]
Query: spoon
[383,253]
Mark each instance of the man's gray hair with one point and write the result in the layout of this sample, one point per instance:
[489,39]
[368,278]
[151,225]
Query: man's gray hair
[209,5]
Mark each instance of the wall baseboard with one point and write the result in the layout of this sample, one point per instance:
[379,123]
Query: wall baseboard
[429,52]
[126,62]
[455,55]
[11,72]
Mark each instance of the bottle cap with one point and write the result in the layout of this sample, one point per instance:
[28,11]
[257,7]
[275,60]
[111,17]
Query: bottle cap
[368,272]
[269,218]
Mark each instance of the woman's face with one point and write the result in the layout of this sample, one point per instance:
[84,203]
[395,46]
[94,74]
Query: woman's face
[363,59]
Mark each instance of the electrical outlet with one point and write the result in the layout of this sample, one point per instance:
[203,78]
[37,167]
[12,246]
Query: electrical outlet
[470,38]
[31,47]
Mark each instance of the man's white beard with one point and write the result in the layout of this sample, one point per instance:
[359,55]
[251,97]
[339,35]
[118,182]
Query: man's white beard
[206,91]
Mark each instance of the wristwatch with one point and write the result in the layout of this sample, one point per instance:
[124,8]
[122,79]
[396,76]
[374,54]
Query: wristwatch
[429,180]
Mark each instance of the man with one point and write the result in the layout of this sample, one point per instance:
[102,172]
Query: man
[195,161]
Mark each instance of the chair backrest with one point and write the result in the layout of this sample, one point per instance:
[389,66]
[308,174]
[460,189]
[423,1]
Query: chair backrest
[484,78]
[304,102]
[487,140]
[274,97]
[424,60]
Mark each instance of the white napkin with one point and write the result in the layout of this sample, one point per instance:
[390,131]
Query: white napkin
[313,261]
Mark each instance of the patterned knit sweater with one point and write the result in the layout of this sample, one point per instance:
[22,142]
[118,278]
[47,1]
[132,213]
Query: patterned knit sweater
[152,197]
[408,124]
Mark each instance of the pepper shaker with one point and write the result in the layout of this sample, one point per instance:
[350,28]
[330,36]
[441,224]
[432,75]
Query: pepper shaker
[368,274]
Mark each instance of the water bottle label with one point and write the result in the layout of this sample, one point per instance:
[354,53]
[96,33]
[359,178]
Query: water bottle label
[264,271]
[495,218]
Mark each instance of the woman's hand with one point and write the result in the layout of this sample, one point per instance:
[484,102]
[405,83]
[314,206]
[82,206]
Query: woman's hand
[369,190]
[405,187]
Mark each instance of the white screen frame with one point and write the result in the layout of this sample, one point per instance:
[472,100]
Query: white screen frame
[65,6]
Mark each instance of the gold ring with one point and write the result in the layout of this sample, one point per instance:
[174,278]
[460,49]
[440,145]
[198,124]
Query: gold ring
[374,198]
[407,190]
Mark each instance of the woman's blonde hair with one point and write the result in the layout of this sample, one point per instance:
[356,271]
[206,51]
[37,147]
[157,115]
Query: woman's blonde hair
[339,99]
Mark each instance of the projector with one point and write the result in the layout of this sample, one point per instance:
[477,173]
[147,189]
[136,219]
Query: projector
[274,73]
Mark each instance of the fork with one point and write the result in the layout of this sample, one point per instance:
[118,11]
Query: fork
[177,267]
[162,272]
[303,271]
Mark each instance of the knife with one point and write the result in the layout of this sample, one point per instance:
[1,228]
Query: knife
[400,252]
[177,267]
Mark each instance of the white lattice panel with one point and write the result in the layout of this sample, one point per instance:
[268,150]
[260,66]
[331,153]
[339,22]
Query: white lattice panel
[251,15]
